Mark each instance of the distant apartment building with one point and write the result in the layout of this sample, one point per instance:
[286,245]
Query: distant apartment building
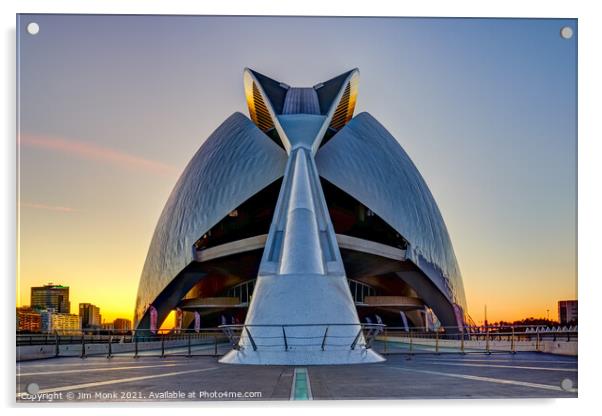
[51,297]
[28,320]
[62,323]
[122,324]
[90,315]
[567,311]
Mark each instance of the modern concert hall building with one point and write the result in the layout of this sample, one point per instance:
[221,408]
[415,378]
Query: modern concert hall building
[302,228]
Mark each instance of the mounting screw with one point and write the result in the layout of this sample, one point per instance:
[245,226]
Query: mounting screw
[33,28]
[566,32]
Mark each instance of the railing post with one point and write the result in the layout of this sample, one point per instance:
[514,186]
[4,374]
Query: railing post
[324,338]
[285,341]
[57,351]
[215,345]
[135,345]
[513,343]
[487,341]
[385,335]
[189,346]
[537,340]
[437,342]
[462,344]
[110,352]
[251,339]
[83,354]
[357,337]
[162,345]
[411,342]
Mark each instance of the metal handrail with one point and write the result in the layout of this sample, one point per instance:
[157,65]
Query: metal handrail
[86,340]
[145,334]
[234,333]
[482,329]
[493,332]
[486,339]
[447,339]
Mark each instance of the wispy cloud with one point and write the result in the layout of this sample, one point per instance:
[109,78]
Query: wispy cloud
[102,154]
[47,207]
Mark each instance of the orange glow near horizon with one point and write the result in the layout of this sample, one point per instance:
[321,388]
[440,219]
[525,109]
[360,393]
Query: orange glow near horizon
[104,270]
[116,296]
[114,305]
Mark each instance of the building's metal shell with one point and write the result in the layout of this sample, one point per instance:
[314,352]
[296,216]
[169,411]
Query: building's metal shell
[233,164]
[365,161]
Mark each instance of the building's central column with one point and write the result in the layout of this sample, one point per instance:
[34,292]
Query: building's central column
[301,249]
[301,311]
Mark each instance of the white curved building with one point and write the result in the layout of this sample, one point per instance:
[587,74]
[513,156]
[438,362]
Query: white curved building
[296,225]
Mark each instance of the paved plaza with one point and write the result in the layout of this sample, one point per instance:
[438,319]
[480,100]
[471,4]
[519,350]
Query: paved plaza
[201,378]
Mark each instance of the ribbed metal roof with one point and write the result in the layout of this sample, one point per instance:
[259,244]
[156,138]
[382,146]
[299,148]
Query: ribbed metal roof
[301,101]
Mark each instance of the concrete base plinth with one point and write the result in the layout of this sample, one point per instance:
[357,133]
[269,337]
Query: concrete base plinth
[301,357]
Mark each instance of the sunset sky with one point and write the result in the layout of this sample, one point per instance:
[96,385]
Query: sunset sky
[112,108]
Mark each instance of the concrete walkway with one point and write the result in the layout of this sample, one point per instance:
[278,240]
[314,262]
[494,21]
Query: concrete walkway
[203,378]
